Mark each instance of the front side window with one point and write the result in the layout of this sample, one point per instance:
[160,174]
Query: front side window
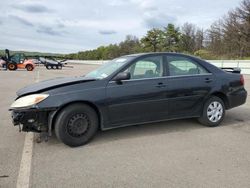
[179,66]
[149,67]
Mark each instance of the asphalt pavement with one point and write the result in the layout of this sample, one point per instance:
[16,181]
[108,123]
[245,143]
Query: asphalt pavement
[180,153]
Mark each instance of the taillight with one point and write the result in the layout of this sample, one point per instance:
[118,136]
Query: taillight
[242,81]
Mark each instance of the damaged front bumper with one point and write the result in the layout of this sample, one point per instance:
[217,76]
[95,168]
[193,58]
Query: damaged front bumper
[33,120]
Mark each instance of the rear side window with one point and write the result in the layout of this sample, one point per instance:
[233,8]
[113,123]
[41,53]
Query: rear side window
[181,66]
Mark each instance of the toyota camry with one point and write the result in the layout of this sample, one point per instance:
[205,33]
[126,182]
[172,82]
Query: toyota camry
[130,90]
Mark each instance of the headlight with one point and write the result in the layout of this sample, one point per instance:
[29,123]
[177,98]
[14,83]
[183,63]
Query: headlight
[28,100]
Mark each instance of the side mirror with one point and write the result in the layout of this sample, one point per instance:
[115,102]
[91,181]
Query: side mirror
[122,76]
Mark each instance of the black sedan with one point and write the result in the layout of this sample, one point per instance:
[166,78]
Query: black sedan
[130,90]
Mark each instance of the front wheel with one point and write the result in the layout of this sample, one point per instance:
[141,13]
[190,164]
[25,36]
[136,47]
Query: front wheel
[76,125]
[213,112]
[59,67]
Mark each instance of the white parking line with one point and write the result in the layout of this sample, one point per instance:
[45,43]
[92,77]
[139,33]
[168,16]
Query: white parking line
[23,179]
[37,79]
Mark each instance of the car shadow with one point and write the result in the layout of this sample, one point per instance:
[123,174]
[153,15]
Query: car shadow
[150,129]
[234,118]
[140,130]
[15,70]
[238,118]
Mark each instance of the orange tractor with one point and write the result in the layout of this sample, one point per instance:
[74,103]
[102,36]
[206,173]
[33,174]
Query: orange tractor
[17,61]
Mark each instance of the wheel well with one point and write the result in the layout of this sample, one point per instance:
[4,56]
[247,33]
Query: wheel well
[28,65]
[77,102]
[12,63]
[223,97]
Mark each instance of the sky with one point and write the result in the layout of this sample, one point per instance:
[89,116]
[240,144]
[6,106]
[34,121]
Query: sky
[63,26]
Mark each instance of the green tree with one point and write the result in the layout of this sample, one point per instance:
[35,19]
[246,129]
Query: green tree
[171,38]
[130,45]
[153,40]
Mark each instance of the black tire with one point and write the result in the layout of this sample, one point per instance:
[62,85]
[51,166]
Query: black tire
[48,67]
[213,118]
[12,66]
[29,67]
[54,66]
[76,125]
[59,67]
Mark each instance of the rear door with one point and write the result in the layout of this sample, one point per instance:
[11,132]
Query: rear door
[143,97]
[188,84]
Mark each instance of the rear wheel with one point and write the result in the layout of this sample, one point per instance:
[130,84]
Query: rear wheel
[29,67]
[12,66]
[76,125]
[59,67]
[213,112]
[54,66]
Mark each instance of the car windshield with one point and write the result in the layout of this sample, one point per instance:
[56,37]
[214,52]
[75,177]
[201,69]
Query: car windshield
[108,68]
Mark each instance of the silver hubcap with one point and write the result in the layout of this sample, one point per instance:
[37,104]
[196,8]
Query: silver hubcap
[214,112]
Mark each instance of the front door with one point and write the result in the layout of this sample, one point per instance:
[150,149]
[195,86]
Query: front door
[143,97]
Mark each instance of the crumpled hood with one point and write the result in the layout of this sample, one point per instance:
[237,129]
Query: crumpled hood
[51,84]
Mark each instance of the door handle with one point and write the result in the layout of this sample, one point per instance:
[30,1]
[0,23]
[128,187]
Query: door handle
[160,85]
[208,80]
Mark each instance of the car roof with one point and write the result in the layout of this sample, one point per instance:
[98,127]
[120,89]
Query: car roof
[160,53]
[211,67]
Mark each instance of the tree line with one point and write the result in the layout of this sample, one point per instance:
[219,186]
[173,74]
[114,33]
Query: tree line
[228,37]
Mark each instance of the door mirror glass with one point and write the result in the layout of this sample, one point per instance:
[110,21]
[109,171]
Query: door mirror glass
[122,76]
